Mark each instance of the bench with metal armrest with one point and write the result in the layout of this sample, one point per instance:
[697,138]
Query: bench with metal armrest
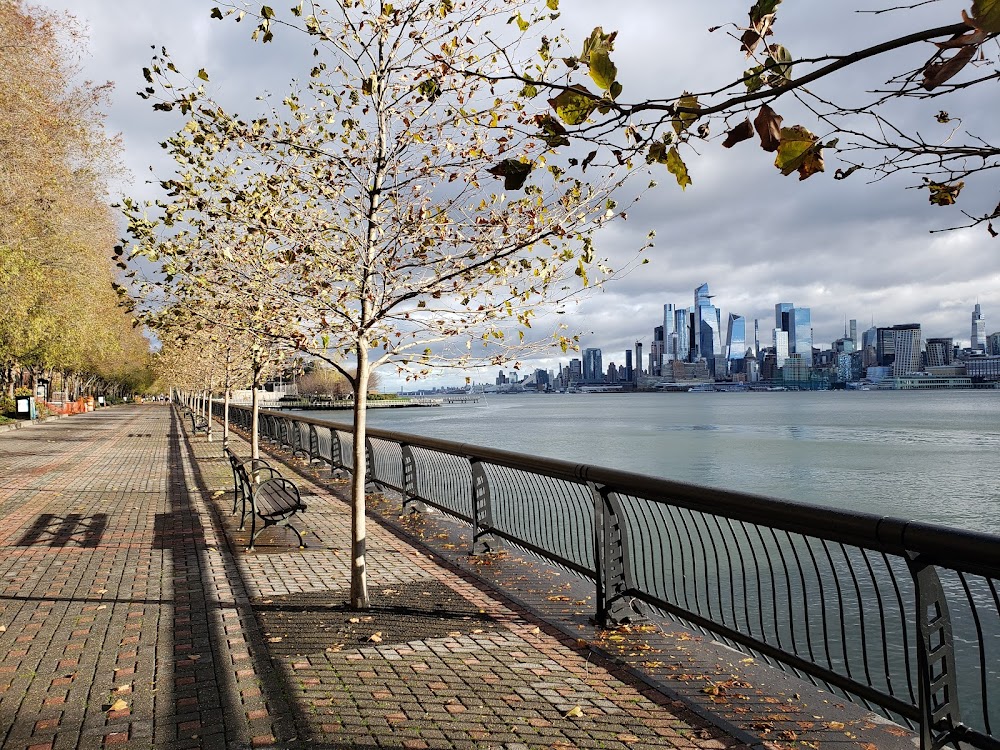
[274,502]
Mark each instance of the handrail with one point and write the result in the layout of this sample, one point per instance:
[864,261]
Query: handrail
[901,616]
[880,533]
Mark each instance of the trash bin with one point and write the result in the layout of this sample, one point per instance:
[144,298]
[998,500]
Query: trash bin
[24,407]
[100,401]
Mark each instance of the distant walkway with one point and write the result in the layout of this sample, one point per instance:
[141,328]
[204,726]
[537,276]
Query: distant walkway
[130,619]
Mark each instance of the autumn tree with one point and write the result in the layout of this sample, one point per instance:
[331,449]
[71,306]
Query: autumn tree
[323,380]
[210,309]
[58,307]
[412,216]
[906,125]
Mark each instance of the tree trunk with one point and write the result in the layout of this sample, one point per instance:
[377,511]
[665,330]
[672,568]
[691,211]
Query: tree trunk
[208,413]
[359,479]
[255,413]
[227,387]
[225,420]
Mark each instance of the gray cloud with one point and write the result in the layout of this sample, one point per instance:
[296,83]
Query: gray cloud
[845,249]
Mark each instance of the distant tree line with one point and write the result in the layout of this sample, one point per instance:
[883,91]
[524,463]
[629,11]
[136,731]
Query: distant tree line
[60,315]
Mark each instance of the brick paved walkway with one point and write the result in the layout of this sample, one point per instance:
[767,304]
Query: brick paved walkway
[131,617]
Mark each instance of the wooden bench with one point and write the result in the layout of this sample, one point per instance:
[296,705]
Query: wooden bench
[246,473]
[198,424]
[274,502]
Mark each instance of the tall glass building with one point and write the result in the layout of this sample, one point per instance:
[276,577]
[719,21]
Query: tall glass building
[707,326]
[669,333]
[682,330]
[978,337]
[797,323]
[736,337]
[593,369]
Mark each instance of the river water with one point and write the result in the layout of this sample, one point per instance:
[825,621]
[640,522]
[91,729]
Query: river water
[929,456]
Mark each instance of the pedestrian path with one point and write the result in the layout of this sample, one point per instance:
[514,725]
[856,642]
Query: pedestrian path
[130,620]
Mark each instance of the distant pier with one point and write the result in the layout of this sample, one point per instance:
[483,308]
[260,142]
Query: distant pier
[347,404]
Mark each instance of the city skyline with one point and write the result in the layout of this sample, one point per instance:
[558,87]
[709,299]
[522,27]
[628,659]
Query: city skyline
[979,321]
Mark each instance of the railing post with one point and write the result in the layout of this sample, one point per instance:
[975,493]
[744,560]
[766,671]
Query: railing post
[411,492]
[483,540]
[371,483]
[314,445]
[336,455]
[297,446]
[610,547]
[939,708]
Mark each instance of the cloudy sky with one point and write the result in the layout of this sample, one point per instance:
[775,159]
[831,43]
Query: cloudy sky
[847,249]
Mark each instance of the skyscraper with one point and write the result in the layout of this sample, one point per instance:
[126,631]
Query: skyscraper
[898,347]
[869,338]
[780,347]
[656,352]
[940,352]
[707,327]
[682,329]
[593,369]
[801,334]
[669,333]
[575,372]
[978,329]
[736,337]
[797,323]
[780,311]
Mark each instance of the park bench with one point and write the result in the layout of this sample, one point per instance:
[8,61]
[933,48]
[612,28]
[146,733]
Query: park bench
[198,424]
[246,473]
[274,502]
[260,492]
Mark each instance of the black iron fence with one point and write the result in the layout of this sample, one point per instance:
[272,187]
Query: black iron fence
[902,617]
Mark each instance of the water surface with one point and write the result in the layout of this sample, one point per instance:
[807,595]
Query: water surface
[919,455]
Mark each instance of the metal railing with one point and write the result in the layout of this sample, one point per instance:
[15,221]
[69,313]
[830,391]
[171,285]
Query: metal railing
[902,617]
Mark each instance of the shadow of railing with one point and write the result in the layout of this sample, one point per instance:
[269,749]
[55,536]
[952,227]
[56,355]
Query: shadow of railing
[74,529]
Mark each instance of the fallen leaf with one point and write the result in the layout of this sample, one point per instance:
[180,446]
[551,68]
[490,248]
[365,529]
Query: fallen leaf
[336,647]
[835,725]
[375,638]
[3,628]
[275,639]
[102,591]
[217,493]
[103,606]
[118,705]
[574,713]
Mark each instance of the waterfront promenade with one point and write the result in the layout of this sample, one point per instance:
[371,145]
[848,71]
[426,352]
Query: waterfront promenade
[130,616]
